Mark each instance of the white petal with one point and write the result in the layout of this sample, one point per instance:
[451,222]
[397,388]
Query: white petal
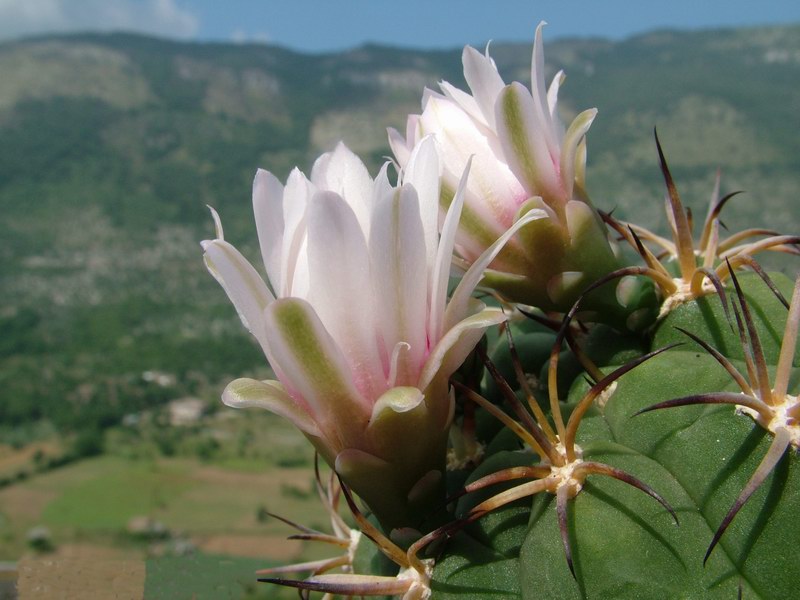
[569,149]
[457,309]
[542,110]
[313,369]
[466,102]
[268,211]
[522,127]
[399,145]
[441,270]
[494,191]
[397,249]
[242,283]
[342,172]
[339,272]
[381,188]
[217,223]
[483,79]
[296,195]
[269,395]
[552,104]
[422,172]
[457,343]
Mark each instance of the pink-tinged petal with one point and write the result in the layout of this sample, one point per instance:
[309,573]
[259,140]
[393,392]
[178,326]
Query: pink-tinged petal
[296,195]
[398,358]
[338,268]
[552,95]
[457,343]
[399,145]
[521,128]
[570,148]
[217,222]
[441,268]
[466,102]
[422,172]
[400,289]
[552,105]
[494,190]
[342,172]
[268,395]
[268,210]
[540,99]
[457,309]
[381,187]
[483,80]
[244,286]
[313,368]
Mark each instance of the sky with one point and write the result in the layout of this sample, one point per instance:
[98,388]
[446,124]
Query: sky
[329,25]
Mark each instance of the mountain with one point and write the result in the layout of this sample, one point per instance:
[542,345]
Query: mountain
[112,145]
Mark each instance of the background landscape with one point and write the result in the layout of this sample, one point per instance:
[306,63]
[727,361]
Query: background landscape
[115,342]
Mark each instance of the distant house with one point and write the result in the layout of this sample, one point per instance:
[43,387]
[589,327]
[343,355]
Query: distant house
[185,411]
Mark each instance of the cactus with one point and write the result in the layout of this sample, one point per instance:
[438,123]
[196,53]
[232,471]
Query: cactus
[590,454]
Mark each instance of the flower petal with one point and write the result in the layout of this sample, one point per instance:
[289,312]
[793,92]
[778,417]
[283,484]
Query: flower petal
[466,102]
[422,172]
[400,289]
[457,343]
[458,307]
[399,145]
[552,95]
[294,270]
[441,269]
[540,97]
[268,210]
[483,80]
[313,368]
[338,264]
[569,149]
[269,395]
[494,189]
[244,286]
[342,172]
[521,126]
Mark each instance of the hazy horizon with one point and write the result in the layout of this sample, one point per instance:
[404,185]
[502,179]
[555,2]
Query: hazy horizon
[305,25]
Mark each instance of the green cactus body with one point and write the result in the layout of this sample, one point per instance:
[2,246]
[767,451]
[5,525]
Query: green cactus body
[698,458]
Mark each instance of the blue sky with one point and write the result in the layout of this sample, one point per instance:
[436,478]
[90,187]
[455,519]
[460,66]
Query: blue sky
[323,25]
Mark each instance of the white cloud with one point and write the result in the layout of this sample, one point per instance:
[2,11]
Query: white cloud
[240,36]
[159,17]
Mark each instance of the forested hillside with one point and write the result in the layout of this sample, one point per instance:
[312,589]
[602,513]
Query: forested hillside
[111,146]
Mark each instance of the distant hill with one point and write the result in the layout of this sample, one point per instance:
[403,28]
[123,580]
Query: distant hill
[112,145]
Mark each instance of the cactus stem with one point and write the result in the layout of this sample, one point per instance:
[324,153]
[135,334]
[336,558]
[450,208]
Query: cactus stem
[679,221]
[526,436]
[507,475]
[788,345]
[738,400]
[594,392]
[536,429]
[562,470]
[523,382]
[695,281]
[412,581]
[776,451]
[760,363]
[384,544]
[732,371]
[772,408]
[590,467]
[562,495]
[343,538]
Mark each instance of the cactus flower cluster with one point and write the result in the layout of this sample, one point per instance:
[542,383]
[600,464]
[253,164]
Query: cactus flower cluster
[386,360]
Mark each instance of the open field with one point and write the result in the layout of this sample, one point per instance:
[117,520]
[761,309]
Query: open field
[213,534]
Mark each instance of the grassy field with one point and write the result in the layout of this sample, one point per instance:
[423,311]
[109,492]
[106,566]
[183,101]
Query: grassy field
[215,530]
